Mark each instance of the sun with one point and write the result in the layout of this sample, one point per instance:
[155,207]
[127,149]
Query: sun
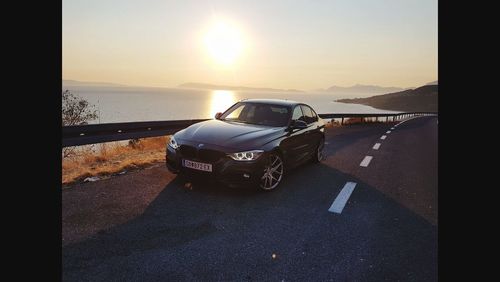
[224,43]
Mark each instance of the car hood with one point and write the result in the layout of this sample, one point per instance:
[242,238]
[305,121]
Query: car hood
[229,134]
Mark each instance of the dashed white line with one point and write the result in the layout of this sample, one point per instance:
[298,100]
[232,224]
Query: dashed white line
[392,128]
[366,161]
[376,146]
[383,137]
[388,131]
[339,202]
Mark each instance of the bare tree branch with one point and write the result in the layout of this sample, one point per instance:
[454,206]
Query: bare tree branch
[75,111]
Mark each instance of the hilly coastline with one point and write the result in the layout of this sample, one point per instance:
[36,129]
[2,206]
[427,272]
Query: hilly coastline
[421,99]
[360,90]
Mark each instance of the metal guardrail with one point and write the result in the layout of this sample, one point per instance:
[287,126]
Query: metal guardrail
[106,132]
[394,116]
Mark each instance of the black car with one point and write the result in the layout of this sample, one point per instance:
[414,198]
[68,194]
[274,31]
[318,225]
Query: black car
[255,141]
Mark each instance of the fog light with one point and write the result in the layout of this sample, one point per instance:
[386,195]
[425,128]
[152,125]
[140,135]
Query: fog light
[246,175]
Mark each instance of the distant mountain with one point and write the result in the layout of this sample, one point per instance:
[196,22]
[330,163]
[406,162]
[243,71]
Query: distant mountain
[421,99]
[360,90]
[227,87]
[68,82]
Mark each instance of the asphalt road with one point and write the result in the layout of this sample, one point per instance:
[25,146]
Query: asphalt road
[146,226]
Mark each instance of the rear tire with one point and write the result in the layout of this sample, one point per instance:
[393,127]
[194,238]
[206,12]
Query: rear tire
[318,153]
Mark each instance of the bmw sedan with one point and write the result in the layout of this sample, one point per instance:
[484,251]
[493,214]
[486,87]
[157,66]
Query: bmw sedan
[255,142]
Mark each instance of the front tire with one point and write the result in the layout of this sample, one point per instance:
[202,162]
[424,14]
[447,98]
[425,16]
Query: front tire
[273,172]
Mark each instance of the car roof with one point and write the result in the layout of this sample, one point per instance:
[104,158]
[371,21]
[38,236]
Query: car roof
[281,102]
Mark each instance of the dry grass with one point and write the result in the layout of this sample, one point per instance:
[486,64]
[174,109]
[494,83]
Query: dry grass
[332,123]
[355,121]
[113,158]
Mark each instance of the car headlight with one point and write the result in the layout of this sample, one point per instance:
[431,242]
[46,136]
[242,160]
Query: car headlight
[172,143]
[246,156]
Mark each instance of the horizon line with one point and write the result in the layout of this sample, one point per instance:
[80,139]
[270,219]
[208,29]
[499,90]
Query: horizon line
[215,84]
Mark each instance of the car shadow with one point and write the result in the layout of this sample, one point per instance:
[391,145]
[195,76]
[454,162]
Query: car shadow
[211,232]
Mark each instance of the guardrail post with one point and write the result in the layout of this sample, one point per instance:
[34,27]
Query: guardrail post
[342,121]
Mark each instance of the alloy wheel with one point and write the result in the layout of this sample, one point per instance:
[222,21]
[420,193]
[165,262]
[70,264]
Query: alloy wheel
[319,152]
[273,173]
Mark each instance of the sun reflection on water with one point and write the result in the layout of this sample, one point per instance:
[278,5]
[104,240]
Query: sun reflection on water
[221,100]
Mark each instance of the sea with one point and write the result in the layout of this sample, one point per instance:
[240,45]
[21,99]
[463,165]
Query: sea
[129,104]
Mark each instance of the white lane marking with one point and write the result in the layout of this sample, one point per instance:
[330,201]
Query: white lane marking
[392,128]
[339,202]
[376,146]
[388,131]
[383,137]
[366,161]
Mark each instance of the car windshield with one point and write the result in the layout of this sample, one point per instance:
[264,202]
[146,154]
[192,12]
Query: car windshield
[258,113]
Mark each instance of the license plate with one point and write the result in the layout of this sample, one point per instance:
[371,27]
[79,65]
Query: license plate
[197,165]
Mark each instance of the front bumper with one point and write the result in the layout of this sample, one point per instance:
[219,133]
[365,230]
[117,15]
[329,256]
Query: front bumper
[225,170]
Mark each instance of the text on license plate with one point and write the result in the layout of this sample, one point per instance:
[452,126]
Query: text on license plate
[197,165]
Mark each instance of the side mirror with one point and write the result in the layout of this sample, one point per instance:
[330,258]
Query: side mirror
[217,115]
[298,124]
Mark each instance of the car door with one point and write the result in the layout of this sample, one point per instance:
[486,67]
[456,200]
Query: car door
[313,132]
[295,144]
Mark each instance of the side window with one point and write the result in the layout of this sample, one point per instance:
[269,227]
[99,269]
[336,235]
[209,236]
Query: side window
[315,116]
[297,114]
[309,114]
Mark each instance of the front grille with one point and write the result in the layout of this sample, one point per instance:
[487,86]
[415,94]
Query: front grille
[205,155]
[209,155]
[188,151]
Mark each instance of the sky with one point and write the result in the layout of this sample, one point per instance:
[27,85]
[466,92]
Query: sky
[288,44]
